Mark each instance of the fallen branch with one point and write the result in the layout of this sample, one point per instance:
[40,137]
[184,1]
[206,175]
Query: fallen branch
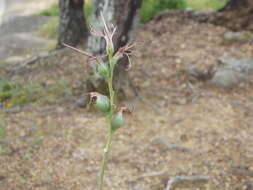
[242,171]
[152,174]
[169,146]
[19,66]
[186,179]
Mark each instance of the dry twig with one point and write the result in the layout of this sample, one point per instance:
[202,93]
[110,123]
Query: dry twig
[186,179]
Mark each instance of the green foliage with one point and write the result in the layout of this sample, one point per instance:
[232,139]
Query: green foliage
[171,4]
[2,132]
[151,7]
[52,11]
[206,4]
[5,88]
[50,29]
[14,93]
[4,150]
[4,85]
[88,9]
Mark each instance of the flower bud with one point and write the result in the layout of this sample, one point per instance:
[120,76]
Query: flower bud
[102,103]
[103,70]
[117,121]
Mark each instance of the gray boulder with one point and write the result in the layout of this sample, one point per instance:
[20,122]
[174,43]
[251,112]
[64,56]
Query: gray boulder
[230,73]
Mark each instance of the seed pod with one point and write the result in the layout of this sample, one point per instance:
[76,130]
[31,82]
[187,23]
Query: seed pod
[103,70]
[102,103]
[117,121]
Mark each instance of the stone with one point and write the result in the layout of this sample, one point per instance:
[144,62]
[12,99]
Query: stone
[230,73]
[237,36]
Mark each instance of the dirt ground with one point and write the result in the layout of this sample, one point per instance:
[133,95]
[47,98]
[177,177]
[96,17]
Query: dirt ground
[179,127]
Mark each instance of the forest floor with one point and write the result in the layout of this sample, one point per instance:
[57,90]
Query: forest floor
[179,127]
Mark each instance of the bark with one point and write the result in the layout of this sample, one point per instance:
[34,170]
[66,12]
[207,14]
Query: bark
[236,15]
[72,24]
[235,4]
[123,14]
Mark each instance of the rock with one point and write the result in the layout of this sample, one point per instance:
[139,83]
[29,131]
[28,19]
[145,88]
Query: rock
[232,72]
[249,185]
[242,171]
[237,36]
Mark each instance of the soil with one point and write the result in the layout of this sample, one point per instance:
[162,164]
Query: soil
[179,126]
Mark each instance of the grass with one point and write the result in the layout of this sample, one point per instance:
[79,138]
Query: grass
[14,93]
[50,29]
[52,11]
[150,8]
[4,150]
[206,4]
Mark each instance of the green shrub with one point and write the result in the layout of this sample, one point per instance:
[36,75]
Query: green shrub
[17,94]
[151,7]
[206,4]
[14,93]
[4,150]
[52,11]
[4,96]
[171,4]
[5,87]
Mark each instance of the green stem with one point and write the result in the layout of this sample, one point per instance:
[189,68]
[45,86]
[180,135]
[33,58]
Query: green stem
[104,161]
[110,133]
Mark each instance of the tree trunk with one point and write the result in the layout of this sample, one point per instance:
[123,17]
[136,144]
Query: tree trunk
[72,25]
[123,14]
[236,15]
[235,4]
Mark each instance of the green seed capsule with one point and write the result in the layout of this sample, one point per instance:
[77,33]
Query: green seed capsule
[102,103]
[103,70]
[117,121]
